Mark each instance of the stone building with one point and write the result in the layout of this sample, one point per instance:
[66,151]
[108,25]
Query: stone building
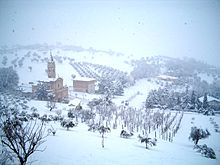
[84,85]
[51,67]
[60,91]
[56,87]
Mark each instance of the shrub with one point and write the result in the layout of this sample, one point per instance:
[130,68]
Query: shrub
[205,151]
[197,134]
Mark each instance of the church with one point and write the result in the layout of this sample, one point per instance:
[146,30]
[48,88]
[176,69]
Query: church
[55,85]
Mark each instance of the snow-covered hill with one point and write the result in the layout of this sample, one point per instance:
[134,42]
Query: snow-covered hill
[81,147]
[30,62]
[37,59]
[78,146]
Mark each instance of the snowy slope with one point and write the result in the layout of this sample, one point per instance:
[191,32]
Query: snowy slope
[78,146]
[137,94]
[81,147]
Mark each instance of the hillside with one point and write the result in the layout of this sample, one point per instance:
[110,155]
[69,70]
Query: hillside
[163,79]
[79,146]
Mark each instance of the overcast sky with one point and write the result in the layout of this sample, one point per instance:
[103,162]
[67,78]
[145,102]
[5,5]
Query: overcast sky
[142,28]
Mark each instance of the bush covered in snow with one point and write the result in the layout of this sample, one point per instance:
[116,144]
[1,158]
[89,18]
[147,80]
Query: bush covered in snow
[68,124]
[125,134]
[197,134]
[205,151]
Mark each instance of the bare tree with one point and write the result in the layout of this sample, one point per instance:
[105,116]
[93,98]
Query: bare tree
[22,139]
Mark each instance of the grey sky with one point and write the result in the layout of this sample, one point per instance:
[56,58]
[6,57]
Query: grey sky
[143,28]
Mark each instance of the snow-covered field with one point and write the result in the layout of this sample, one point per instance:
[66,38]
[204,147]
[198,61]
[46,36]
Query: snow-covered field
[78,146]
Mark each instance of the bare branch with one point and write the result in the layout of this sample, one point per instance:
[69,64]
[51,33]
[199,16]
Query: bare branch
[23,139]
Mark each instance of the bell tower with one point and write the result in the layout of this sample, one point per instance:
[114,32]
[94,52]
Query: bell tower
[51,68]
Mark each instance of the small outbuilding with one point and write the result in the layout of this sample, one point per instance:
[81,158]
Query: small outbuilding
[84,84]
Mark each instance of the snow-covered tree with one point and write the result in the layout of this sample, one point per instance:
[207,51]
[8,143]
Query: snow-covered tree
[143,69]
[71,114]
[110,87]
[215,88]
[205,151]
[205,104]
[51,104]
[198,103]
[8,79]
[118,88]
[42,92]
[68,124]
[193,100]
[152,99]
[197,133]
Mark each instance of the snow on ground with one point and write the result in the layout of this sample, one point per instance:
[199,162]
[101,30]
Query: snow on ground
[78,146]
[137,94]
[208,78]
[81,147]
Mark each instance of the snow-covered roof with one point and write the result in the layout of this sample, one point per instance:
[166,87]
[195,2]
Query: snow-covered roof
[166,77]
[27,88]
[74,102]
[84,79]
[209,98]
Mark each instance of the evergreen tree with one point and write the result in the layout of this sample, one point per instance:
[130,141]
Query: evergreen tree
[109,87]
[198,103]
[193,99]
[215,88]
[205,104]
[178,100]
[42,92]
[118,88]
